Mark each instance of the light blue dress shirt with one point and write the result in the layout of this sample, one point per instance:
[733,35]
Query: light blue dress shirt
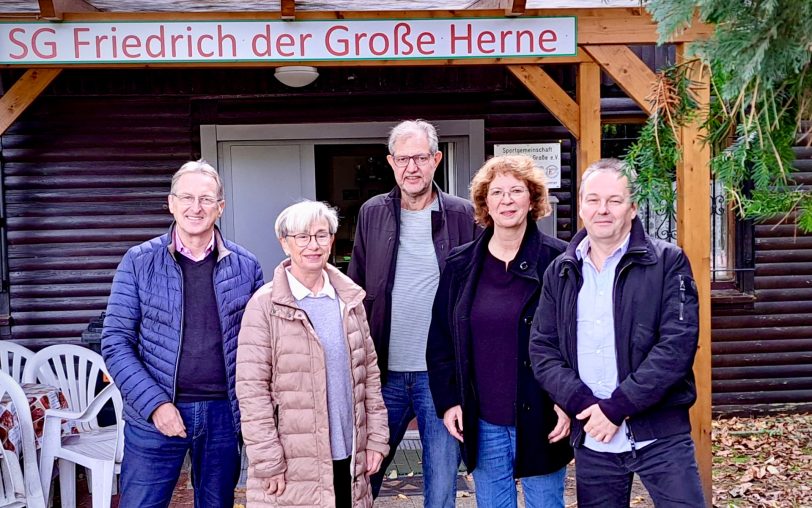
[597,359]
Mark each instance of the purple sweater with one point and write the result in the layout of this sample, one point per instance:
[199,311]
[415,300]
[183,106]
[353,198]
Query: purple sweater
[495,317]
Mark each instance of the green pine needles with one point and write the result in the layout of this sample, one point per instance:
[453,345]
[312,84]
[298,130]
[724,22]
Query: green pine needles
[761,85]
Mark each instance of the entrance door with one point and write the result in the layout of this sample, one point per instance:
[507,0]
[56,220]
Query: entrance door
[260,181]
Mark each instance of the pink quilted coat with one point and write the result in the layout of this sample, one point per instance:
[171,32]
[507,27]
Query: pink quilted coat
[282,391]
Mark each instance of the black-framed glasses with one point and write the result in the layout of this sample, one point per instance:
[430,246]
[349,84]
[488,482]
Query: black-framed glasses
[303,239]
[189,200]
[420,159]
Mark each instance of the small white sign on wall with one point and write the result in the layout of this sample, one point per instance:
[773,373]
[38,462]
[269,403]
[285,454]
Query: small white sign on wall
[547,157]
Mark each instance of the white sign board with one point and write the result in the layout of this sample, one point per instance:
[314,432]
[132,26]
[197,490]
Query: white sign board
[547,157]
[160,41]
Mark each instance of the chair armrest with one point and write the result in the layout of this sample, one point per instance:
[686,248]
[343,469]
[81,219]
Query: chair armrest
[90,412]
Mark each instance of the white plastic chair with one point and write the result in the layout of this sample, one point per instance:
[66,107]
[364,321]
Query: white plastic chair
[18,488]
[14,358]
[75,370]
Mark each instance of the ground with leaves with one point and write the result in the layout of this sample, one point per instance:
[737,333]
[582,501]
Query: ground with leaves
[764,461]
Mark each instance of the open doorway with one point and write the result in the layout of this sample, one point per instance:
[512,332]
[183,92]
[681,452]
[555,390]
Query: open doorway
[347,175]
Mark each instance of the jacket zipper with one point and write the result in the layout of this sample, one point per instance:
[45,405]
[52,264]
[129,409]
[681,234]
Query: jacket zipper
[630,437]
[681,297]
[180,338]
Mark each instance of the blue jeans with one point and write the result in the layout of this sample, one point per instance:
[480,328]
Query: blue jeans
[493,474]
[406,395]
[667,468]
[152,461]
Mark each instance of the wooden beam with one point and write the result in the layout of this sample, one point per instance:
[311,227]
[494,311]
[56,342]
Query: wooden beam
[693,234]
[547,91]
[288,10]
[629,72]
[54,9]
[517,8]
[23,93]
[588,94]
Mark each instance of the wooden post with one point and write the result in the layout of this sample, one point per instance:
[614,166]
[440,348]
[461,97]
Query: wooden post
[693,235]
[23,93]
[588,95]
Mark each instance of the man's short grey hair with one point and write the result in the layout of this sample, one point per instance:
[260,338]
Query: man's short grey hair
[614,166]
[199,166]
[298,218]
[408,129]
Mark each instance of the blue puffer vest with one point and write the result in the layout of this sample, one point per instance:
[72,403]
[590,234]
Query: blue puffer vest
[143,327]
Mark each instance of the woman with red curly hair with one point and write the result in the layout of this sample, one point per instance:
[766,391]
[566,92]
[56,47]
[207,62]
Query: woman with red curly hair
[478,361]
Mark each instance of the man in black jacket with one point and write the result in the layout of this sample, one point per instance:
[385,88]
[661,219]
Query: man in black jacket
[401,244]
[613,342]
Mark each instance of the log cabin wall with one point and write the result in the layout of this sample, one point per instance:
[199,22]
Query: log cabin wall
[86,169]
[762,346]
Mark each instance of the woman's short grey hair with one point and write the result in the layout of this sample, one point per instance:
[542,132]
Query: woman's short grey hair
[198,166]
[609,165]
[408,129]
[298,218]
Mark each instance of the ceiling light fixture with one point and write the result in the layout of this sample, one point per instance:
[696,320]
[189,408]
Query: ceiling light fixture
[296,76]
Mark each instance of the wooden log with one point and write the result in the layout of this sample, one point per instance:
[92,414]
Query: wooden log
[748,410]
[45,277]
[746,322]
[149,220]
[784,243]
[781,269]
[99,235]
[762,385]
[757,347]
[783,282]
[761,371]
[69,250]
[781,256]
[777,396]
[60,304]
[64,263]
[769,358]
[791,307]
[64,317]
[764,333]
[60,290]
[783,295]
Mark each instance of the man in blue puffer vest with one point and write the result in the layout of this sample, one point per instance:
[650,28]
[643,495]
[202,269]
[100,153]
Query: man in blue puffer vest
[170,343]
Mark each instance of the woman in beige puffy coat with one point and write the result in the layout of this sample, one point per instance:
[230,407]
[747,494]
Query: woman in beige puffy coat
[313,418]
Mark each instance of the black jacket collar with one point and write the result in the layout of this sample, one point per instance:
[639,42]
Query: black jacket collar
[524,264]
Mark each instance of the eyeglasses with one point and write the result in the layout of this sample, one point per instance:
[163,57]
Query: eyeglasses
[421,160]
[189,200]
[303,240]
[514,193]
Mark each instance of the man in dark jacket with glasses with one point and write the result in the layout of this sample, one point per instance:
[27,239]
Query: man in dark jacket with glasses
[401,243]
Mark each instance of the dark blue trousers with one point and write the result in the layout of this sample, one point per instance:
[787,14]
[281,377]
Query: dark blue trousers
[667,467]
[152,461]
